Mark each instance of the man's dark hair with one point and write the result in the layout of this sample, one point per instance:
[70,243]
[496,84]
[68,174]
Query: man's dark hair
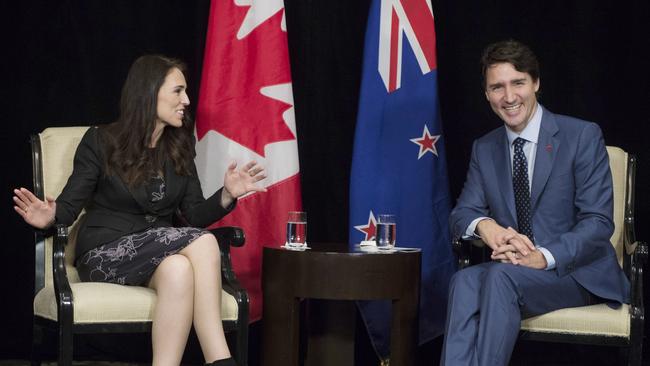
[513,52]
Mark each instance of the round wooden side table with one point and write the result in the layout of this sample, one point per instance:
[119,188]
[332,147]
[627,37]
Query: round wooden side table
[330,271]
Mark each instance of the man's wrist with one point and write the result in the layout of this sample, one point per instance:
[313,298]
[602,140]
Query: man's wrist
[481,223]
[548,258]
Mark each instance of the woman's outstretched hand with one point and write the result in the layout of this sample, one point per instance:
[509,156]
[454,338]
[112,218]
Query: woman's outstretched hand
[39,214]
[238,182]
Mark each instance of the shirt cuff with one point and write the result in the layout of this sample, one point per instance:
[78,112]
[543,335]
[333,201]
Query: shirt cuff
[550,261]
[471,229]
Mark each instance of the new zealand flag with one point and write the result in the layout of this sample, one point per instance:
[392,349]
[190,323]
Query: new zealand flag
[399,164]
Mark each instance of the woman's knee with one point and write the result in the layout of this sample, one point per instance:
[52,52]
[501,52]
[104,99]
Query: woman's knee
[204,247]
[174,273]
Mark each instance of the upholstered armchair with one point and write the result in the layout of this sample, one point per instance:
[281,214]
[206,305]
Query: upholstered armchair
[65,304]
[595,324]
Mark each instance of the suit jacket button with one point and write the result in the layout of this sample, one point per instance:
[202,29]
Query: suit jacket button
[150,218]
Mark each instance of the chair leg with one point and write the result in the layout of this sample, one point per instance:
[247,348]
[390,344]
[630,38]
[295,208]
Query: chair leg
[241,349]
[241,338]
[37,344]
[65,344]
[635,352]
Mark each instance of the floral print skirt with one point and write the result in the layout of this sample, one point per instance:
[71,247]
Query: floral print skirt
[132,259]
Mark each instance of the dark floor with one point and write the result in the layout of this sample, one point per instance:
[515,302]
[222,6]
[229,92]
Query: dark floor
[133,350]
[526,354]
[76,363]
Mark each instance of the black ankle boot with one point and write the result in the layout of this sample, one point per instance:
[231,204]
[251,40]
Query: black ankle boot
[225,362]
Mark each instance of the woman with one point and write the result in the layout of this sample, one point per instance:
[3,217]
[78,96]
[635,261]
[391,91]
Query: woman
[132,176]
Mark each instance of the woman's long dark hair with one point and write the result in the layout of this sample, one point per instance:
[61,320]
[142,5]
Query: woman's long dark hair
[126,141]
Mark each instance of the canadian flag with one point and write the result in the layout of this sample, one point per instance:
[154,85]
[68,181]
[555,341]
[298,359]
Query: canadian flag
[245,112]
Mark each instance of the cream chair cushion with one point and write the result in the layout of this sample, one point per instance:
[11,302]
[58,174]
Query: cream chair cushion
[94,302]
[595,319]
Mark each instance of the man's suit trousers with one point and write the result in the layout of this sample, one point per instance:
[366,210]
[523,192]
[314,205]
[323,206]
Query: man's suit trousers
[488,301]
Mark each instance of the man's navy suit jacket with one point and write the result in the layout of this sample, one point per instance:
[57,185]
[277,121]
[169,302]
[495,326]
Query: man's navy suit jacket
[571,200]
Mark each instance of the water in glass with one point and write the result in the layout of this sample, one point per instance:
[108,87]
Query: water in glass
[296,233]
[386,234]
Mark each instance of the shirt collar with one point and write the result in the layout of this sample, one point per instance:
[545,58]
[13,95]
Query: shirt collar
[531,132]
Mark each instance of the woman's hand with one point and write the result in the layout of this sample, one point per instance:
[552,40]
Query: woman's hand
[39,214]
[238,182]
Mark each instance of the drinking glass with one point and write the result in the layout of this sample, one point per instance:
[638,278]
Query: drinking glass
[386,230]
[297,229]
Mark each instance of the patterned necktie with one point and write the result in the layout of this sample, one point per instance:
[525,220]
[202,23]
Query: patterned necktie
[520,186]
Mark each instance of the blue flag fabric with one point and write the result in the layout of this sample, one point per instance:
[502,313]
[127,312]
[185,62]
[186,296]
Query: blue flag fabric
[399,165]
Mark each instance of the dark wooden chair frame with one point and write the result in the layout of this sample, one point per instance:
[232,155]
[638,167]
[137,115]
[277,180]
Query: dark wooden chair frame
[65,327]
[635,254]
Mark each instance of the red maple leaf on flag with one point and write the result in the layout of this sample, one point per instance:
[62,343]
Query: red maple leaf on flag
[259,117]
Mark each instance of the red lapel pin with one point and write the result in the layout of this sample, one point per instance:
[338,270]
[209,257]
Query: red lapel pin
[549,148]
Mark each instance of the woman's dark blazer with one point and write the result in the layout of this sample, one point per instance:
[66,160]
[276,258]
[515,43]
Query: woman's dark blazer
[113,210]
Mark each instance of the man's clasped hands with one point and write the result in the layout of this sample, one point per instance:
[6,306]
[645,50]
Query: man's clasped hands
[509,246]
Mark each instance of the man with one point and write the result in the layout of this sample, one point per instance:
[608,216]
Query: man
[539,194]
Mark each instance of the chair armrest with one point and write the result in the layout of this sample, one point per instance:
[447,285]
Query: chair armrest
[461,249]
[62,289]
[230,236]
[470,252]
[637,262]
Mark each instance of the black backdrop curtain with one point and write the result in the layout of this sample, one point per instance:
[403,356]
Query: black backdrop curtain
[68,59]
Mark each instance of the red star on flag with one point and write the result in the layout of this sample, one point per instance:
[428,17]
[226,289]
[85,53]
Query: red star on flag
[370,228]
[427,142]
